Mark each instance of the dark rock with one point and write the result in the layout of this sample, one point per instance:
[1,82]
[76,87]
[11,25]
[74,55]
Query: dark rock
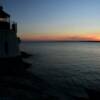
[16,83]
[94,94]
[25,55]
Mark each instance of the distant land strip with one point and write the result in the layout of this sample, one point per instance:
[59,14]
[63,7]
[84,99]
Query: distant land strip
[61,41]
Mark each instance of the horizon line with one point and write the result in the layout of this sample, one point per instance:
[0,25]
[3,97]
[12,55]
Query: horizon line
[61,41]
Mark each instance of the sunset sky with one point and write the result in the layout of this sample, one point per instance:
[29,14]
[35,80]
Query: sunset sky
[56,19]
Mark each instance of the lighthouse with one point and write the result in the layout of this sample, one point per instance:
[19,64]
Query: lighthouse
[9,44]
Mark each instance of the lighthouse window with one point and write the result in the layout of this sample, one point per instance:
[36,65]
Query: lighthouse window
[6,48]
[4,19]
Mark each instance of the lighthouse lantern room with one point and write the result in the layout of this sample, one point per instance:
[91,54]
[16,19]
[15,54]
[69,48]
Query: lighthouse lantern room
[8,36]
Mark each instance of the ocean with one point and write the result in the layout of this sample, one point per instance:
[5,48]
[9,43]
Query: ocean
[70,67]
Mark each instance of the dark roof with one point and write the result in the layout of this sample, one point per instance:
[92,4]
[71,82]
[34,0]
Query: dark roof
[3,14]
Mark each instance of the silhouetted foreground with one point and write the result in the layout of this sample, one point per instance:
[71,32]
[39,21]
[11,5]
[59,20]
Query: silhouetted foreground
[92,95]
[17,83]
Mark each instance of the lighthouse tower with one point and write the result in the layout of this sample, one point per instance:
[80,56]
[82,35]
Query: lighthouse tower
[8,39]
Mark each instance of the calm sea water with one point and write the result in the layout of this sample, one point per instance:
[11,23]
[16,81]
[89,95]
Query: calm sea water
[68,67]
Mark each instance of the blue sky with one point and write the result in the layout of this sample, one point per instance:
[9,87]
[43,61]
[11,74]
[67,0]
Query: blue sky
[55,17]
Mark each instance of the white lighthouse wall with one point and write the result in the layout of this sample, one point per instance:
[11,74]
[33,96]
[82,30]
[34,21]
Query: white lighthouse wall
[12,48]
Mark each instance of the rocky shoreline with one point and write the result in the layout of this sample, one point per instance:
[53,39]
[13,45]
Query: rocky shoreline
[17,83]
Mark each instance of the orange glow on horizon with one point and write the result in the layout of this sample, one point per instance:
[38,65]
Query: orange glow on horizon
[88,37]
